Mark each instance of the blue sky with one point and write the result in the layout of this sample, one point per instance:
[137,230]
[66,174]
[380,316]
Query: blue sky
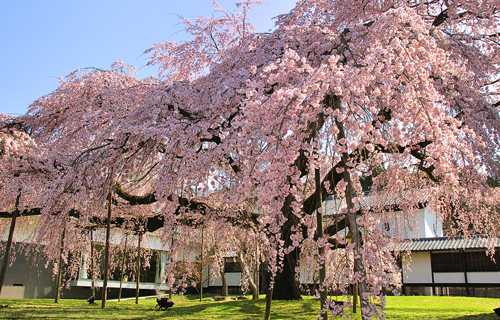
[43,40]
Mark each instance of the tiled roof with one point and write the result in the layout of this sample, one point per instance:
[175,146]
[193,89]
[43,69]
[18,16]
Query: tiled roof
[450,243]
[379,199]
[229,254]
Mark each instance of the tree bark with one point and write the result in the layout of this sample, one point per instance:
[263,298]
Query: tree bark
[248,276]
[224,280]
[106,254]
[122,269]
[269,298]
[286,286]
[201,267]
[352,223]
[92,271]
[256,269]
[138,268]
[5,262]
[59,268]
[321,250]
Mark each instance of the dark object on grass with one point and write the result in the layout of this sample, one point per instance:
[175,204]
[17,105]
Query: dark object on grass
[91,300]
[337,303]
[163,304]
[497,311]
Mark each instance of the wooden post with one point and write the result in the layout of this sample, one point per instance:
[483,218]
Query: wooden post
[59,268]
[106,254]
[138,268]
[5,262]
[123,268]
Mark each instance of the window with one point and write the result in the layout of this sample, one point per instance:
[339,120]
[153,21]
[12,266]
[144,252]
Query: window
[387,226]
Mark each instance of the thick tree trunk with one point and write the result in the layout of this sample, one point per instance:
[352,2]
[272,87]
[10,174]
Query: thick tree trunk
[248,276]
[286,286]
[224,281]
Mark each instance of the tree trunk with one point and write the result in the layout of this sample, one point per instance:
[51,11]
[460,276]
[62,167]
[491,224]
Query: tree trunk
[248,276]
[224,281]
[59,268]
[138,268]
[353,225]
[321,250]
[286,286]
[5,262]
[201,267]
[92,271]
[171,261]
[269,298]
[256,269]
[354,297]
[106,255]
[122,269]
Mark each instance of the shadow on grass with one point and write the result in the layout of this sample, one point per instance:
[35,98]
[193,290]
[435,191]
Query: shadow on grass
[486,316]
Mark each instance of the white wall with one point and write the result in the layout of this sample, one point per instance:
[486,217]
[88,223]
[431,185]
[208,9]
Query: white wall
[432,226]
[449,277]
[233,279]
[426,225]
[483,277]
[420,268]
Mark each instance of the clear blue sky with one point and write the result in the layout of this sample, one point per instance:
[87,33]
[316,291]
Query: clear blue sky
[43,40]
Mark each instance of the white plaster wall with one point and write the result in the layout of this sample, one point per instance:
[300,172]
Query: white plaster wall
[412,229]
[449,277]
[234,278]
[306,275]
[12,292]
[426,225]
[483,277]
[420,268]
[216,282]
[432,226]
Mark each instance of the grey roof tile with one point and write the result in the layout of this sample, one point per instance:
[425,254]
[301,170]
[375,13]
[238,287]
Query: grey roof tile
[449,243]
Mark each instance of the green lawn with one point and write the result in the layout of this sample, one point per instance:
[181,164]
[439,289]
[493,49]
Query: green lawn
[190,308]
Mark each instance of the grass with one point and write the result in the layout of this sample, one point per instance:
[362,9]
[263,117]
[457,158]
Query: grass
[189,307]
